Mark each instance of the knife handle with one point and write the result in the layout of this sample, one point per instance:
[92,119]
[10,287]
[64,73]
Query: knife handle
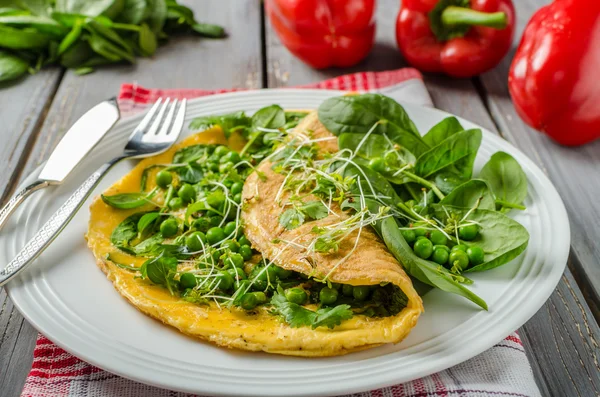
[18,198]
[52,228]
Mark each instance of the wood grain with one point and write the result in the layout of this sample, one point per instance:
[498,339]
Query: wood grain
[561,339]
[186,62]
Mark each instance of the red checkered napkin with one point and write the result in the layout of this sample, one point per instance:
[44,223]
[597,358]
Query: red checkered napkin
[502,370]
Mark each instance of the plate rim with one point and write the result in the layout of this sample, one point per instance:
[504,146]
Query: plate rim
[371,383]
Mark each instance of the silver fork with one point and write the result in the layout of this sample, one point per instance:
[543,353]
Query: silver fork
[146,140]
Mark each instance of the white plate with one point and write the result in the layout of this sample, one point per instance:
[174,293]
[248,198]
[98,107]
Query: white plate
[67,298]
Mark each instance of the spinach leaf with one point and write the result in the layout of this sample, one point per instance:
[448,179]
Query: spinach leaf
[442,130]
[292,118]
[144,177]
[458,149]
[134,12]
[126,230]
[11,66]
[361,113]
[506,179]
[297,316]
[157,15]
[69,40]
[469,194]
[501,238]
[193,153]
[40,23]
[127,201]
[161,271]
[147,40]
[146,221]
[269,117]
[227,122]
[209,30]
[17,39]
[190,173]
[150,246]
[110,8]
[291,218]
[447,180]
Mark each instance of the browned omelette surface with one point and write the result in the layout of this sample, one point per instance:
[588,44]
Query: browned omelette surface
[257,330]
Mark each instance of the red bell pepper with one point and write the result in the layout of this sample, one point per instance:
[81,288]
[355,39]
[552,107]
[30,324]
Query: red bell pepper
[553,79]
[460,38]
[324,33]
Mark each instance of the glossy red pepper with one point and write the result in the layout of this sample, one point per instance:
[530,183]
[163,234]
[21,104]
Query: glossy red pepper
[460,38]
[553,79]
[324,33]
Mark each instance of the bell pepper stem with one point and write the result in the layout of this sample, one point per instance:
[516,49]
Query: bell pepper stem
[453,15]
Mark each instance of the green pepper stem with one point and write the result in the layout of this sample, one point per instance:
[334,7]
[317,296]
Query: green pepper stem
[510,205]
[425,183]
[454,15]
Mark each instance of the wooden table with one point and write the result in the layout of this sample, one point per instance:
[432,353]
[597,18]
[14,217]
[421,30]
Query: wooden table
[562,340]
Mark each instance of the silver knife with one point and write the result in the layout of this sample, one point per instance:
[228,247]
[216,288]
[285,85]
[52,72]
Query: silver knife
[74,146]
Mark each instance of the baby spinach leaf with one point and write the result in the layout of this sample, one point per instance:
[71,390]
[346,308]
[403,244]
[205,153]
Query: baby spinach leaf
[192,153]
[227,122]
[501,238]
[190,173]
[314,209]
[147,40]
[11,66]
[157,15]
[144,177]
[110,8]
[471,193]
[374,146]
[150,246]
[458,149]
[17,39]
[292,118]
[442,130]
[360,113]
[447,180]
[41,24]
[146,221]
[127,201]
[134,12]
[269,117]
[126,230]
[161,271]
[291,218]
[506,178]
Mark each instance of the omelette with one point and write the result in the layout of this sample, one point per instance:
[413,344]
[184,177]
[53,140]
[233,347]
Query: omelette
[230,238]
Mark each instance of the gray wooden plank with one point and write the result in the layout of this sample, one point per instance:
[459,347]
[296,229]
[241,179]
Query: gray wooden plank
[561,339]
[573,170]
[185,62]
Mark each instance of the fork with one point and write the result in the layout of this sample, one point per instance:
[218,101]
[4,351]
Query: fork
[146,140]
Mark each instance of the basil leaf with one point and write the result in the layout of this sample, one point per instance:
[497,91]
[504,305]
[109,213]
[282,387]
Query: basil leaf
[161,271]
[459,150]
[291,218]
[501,238]
[146,221]
[269,117]
[360,113]
[442,130]
[314,209]
[147,41]
[471,193]
[209,30]
[127,201]
[506,178]
[11,66]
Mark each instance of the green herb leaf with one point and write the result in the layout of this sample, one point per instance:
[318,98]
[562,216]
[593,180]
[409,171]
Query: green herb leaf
[442,130]
[126,201]
[506,178]
[314,209]
[146,221]
[17,39]
[161,271]
[209,30]
[134,12]
[193,153]
[227,122]
[126,230]
[269,117]
[471,193]
[157,15]
[190,173]
[297,316]
[147,40]
[458,149]
[110,8]
[11,66]
[291,218]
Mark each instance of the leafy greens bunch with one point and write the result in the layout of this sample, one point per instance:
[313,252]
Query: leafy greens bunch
[84,34]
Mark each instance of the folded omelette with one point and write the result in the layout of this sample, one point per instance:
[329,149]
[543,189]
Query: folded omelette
[225,248]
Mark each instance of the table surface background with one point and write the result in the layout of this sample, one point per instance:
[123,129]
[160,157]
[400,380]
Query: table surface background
[562,339]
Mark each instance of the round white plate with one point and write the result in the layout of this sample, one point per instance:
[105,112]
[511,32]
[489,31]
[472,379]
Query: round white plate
[67,298]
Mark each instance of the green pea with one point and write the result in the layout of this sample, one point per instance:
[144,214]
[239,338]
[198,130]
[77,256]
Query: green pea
[215,199]
[459,259]
[246,252]
[440,256]
[444,247]
[438,238]
[423,248]
[169,227]
[296,295]
[235,260]
[370,312]
[201,224]
[231,157]
[409,235]
[468,232]
[249,301]
[459,247]
[225,281]
[260,297]
[361,292]
[377,164]
[237,188]
[175,203]
[328,296]
[422,237]
[476,255]
[237,274]
[186,193]
[225,167]
[215,220]
[164,178]
[214,235]
[419,231]
[188,280]
[213,166]
[259,285]
[195,241]
[229,228]
[231,245]
[347,290]
[220,151]
[228,182]
[237,198]
[282,273]
[244,241]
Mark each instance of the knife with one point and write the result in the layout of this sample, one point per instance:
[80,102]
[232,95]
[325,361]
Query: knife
[72,148]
